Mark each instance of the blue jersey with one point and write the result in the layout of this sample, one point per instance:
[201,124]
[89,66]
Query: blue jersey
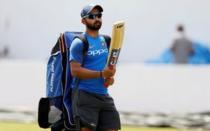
[95,59]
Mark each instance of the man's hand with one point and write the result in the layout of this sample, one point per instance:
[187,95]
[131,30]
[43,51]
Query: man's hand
[109,72]
[109,81]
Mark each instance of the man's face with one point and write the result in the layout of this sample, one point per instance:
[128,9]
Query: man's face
[93,21]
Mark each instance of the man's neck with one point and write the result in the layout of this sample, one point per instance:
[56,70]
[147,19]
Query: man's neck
[92,33]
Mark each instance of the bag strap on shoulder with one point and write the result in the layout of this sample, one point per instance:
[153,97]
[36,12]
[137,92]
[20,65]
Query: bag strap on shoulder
[84,40]
[107,40]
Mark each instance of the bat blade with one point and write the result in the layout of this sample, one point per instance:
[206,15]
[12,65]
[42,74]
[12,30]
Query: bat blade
[116,43]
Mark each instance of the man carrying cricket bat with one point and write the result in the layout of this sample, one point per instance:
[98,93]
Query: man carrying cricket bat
[91,102]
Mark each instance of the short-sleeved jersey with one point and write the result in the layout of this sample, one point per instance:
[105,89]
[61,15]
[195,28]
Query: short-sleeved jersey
[95,59]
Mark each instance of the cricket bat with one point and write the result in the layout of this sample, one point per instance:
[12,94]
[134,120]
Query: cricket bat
[116,44]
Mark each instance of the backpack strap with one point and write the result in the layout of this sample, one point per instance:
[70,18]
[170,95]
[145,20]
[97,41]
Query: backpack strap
[84,40]
[62,44]
[107,40]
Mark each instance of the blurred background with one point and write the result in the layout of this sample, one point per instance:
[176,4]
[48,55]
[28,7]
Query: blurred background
[152,88]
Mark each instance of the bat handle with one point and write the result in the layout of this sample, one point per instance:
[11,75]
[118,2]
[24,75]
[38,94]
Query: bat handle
[111,67]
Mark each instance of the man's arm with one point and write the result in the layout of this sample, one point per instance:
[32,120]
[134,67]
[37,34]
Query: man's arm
[82,73]
[76,60]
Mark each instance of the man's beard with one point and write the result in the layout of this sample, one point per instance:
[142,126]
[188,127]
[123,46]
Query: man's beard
[95,27]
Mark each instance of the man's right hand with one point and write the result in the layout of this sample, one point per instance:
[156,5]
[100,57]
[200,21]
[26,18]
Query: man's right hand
[109,72]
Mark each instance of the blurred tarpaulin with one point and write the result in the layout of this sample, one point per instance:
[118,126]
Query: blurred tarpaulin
[201,56]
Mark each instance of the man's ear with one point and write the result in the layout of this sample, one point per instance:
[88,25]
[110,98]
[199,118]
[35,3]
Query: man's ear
[83,21]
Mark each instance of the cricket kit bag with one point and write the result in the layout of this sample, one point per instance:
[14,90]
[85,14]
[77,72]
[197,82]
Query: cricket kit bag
[55,110]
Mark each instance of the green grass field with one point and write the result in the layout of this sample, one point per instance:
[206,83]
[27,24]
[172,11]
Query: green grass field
[6,126]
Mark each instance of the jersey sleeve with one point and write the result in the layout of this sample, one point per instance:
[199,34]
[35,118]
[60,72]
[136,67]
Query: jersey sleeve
[76,51]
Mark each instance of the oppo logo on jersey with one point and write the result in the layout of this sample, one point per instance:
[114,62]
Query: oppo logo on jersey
[97,52]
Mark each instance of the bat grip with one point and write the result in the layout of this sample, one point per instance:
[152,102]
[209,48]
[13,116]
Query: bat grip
[111,67]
